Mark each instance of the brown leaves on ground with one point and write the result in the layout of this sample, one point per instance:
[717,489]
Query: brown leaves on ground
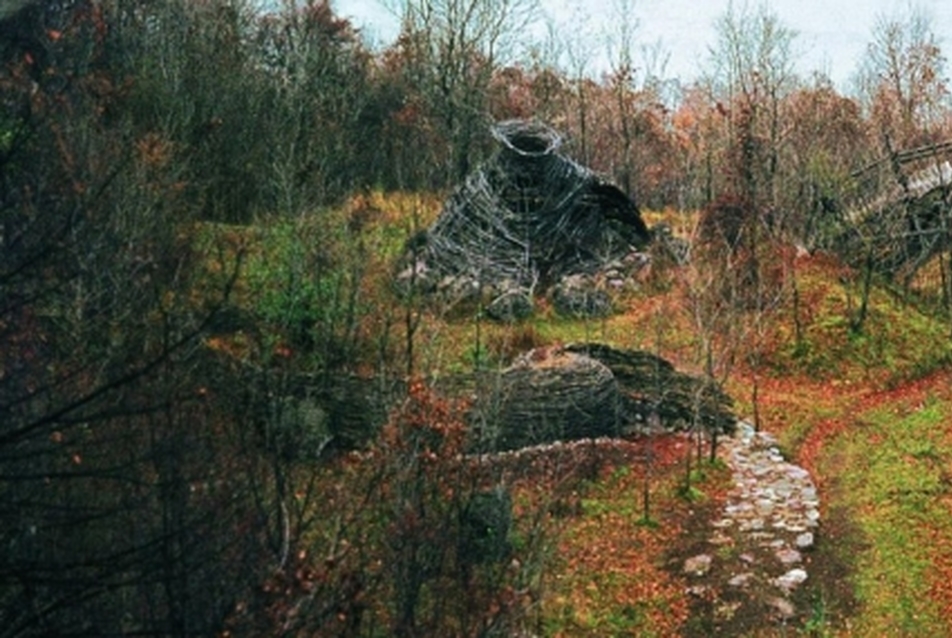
[611,577]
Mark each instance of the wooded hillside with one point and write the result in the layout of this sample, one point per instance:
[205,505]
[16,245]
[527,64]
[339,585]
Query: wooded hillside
[202,207]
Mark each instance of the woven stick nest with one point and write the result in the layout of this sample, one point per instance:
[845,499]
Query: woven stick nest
[591,390]
[529,215]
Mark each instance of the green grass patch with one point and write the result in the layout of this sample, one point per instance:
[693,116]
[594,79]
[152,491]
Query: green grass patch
[891,473]
[610,577]
[897,342]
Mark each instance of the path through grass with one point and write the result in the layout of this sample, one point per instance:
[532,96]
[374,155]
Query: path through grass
[883,462]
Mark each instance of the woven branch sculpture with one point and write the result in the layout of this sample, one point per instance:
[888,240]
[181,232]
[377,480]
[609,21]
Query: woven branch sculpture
[527,217]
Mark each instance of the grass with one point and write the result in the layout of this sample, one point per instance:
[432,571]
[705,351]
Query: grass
[892,478]
[896,342]
[865,411]
[610,574]
[868,414]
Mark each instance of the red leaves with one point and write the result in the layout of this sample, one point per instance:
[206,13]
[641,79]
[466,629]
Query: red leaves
[811,448]
[940,574]
[429,425]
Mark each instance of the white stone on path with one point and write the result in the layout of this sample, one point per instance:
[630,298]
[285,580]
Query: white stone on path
[788,556]
[768,513]
[698,565]
[805,540]
[740,579]
[783,607]
[791,579]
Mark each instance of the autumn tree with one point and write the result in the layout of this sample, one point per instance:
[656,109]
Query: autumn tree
[192,84]
[534,86]
[450,51]
[830,134]
[321,108]
[622,78]
[619,124]
[577,68]
[822,148]
[904,91]
[117,513]
[714,300]
[902,80]
[752,75]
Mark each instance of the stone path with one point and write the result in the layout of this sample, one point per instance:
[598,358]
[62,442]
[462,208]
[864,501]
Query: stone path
[769,522]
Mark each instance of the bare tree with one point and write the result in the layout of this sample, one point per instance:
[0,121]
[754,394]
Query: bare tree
[906,95]
[752,73]
[902,80]
[752,76]
[114,513]
[452,49]
[623,72]
[578,60]
[713,286]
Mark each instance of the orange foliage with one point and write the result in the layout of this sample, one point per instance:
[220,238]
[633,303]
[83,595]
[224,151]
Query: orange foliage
[820,435]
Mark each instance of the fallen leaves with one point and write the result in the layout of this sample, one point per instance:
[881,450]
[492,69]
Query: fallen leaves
[612,579]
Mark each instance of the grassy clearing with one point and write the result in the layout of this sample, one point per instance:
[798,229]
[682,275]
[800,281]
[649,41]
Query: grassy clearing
[321,269]
[895,343]
[867,413]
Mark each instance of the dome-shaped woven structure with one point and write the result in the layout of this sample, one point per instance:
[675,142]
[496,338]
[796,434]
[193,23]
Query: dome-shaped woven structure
[530,215]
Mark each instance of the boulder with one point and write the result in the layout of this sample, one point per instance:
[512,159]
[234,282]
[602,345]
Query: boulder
[579,296]
[511,305]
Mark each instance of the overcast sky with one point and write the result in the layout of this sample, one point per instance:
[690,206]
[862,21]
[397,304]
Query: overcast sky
[832,34]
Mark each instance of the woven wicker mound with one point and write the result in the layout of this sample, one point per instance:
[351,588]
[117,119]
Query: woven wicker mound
[588,391]
[559,393]
[526,218]
[648,384]
[548,395]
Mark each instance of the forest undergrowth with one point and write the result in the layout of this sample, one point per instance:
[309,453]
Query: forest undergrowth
[864,411]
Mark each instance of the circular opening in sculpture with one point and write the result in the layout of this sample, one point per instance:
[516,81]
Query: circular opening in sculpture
[527,138]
